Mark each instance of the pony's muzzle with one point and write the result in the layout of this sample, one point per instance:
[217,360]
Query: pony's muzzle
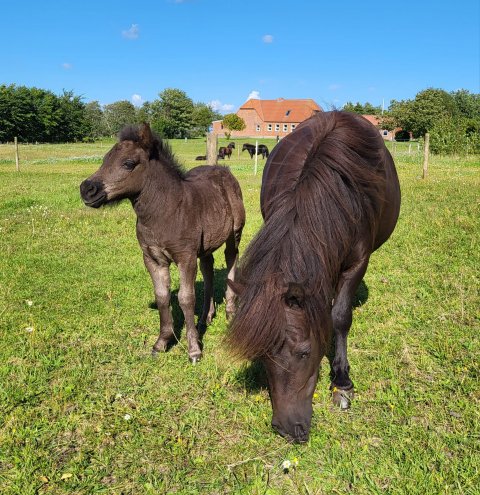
[297,434]
[93,193]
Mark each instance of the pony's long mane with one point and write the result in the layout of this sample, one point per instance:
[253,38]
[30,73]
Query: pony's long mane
[322,184]
[161,150]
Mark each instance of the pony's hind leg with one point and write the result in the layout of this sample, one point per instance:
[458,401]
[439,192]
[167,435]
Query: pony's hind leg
[341,385]
[208,312]
[231,257]
[160,274]
[186,297]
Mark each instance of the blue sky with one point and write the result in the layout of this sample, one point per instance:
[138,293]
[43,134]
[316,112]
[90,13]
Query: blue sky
[225,51]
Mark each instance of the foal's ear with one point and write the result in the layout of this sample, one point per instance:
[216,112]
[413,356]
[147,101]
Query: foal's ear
[145,136]
[237,287]
[295,295]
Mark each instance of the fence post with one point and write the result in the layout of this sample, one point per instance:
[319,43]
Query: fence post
[17,161]
[256,156]
[211,148]
[426,146]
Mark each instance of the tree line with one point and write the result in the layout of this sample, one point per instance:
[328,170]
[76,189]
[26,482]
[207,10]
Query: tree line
[452,119]
[38,115]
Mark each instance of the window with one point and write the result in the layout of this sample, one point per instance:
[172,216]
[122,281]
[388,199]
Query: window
[269,127]
[288,113]
[385,133]
[277,127]
[293,126]
[257,127]
[285,127]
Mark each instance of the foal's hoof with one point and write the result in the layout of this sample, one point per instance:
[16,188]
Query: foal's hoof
[159,347]
[195,357]
[342,398]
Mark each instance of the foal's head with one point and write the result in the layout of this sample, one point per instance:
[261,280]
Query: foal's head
[122,173]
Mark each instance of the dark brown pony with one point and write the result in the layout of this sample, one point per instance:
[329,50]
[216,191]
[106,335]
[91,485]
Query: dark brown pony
[180,216]
[330,196]
[224,151]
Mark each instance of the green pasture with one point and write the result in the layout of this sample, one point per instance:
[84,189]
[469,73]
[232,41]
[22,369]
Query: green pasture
[85,409]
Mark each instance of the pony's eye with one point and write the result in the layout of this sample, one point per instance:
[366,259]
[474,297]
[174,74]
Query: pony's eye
[129,164]
[304,354]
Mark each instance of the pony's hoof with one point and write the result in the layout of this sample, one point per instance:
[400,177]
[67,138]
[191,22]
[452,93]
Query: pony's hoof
[342,398]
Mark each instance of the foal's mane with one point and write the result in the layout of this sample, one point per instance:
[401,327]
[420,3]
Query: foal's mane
[321,189]
[160,149]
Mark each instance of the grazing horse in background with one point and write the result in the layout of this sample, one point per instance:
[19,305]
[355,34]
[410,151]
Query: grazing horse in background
[262,150]
[330,197]
[180,216]
[224,151]
[231,145]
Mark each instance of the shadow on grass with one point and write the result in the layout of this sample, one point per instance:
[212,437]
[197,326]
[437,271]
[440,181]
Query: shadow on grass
[219,286]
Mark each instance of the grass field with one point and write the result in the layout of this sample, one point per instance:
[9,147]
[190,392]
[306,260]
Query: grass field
[84,409]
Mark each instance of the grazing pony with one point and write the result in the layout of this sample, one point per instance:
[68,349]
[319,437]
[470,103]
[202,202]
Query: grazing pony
[262,150]
[330,196]
[224,151]
[181,216]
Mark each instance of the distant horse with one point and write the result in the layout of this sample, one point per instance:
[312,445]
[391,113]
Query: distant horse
[330,196]
[224,151]
[201,157]
[262,150]
[231,145]
[180,216]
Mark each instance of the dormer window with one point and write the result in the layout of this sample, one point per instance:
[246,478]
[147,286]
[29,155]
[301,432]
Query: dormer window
[288,113]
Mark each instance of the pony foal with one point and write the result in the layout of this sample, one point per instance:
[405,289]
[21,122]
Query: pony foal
[181,216]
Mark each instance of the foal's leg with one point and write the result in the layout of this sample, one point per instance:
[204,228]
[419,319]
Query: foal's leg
[208,312]
[231,257]
[341,385]
[186,297]
[160,274]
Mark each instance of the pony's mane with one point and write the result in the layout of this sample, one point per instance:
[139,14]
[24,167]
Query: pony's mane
[315,201]
[160,151]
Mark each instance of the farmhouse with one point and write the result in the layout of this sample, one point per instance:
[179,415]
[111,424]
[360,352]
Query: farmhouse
[386,134]
[267,118]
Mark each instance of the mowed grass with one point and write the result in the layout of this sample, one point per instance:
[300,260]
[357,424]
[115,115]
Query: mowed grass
[85,409]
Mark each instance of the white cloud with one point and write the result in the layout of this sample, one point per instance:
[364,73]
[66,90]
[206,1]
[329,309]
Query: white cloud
[267,38]
[137,100]
[218,106]
[254,95]
[132,33]
[67,66]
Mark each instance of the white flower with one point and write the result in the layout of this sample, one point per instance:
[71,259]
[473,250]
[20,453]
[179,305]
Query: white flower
[118,396]
[29,329]
[29,303]
[127,417]
[286,465]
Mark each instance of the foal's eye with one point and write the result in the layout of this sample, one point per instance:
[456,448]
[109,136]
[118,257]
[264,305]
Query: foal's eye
[129,164]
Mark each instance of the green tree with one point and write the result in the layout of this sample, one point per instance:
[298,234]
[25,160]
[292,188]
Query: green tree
[95,121]
[118,115]
[420,115]
[366,109]
[232,122]
[172,113]
[202,117]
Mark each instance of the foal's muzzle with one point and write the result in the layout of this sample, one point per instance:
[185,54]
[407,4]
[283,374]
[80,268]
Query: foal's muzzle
[93,193]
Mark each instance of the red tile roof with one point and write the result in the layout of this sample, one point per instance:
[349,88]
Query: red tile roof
[281,110]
